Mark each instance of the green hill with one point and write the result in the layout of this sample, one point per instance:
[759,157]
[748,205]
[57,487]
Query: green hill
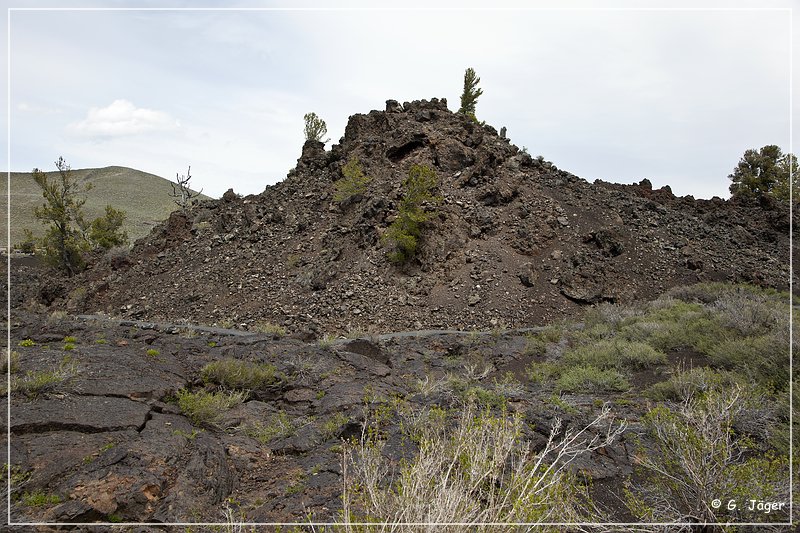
[144,197]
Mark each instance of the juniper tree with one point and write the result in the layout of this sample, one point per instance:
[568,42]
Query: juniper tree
[765,171]
[469,98]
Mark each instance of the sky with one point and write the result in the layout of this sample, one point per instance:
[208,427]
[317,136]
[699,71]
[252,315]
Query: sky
[614,90]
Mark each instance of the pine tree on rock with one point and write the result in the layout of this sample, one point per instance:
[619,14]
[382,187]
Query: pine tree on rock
[469,98]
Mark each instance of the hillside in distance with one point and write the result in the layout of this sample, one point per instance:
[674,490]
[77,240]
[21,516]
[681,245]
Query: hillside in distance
[144,197]
[515,241]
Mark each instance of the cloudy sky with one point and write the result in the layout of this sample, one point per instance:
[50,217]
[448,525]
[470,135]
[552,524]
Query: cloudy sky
[614,90]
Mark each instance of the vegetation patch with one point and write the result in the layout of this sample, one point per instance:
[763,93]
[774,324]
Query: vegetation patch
[404,233]
[206,408]
[352,183]
[40,498]
[237,374]
[36,382]
[698,455]
[269,329]
[591,379]
[330,428]
[615,354]
[477,468]
[279,425]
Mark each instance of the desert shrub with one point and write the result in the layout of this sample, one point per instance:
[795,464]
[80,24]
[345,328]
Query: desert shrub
[708,293]
[764,359]
[697,456]
[615,353]
[543,372]
[236,374]
[691,383]
[591,379]
[152,352]
[592,333]
[613,315]
[27,343]
[484,397]
[508,386]
[206,408]
[478,470]
[683,325]
[404,233]
[353,182]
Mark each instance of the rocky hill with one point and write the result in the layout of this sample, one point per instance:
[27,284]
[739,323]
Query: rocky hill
[515,242]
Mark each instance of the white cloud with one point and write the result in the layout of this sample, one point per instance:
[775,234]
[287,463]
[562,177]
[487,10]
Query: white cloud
[120,119]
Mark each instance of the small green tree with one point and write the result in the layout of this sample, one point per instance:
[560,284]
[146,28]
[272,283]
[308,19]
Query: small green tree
[404,233]
[69,235]
[106,231]
[352,183]
[64,241]
[315,128]
[765,171]
[469,98]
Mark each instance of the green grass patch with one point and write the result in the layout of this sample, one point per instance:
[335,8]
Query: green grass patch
[543,372]
[36,382]
[152,352]
[40,498]
[206,408]
[591,379]
[330,428]
[279,425]
[237,374]
[615,354]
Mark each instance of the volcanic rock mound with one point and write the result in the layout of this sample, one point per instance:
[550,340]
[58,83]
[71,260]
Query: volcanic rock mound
[515,241]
